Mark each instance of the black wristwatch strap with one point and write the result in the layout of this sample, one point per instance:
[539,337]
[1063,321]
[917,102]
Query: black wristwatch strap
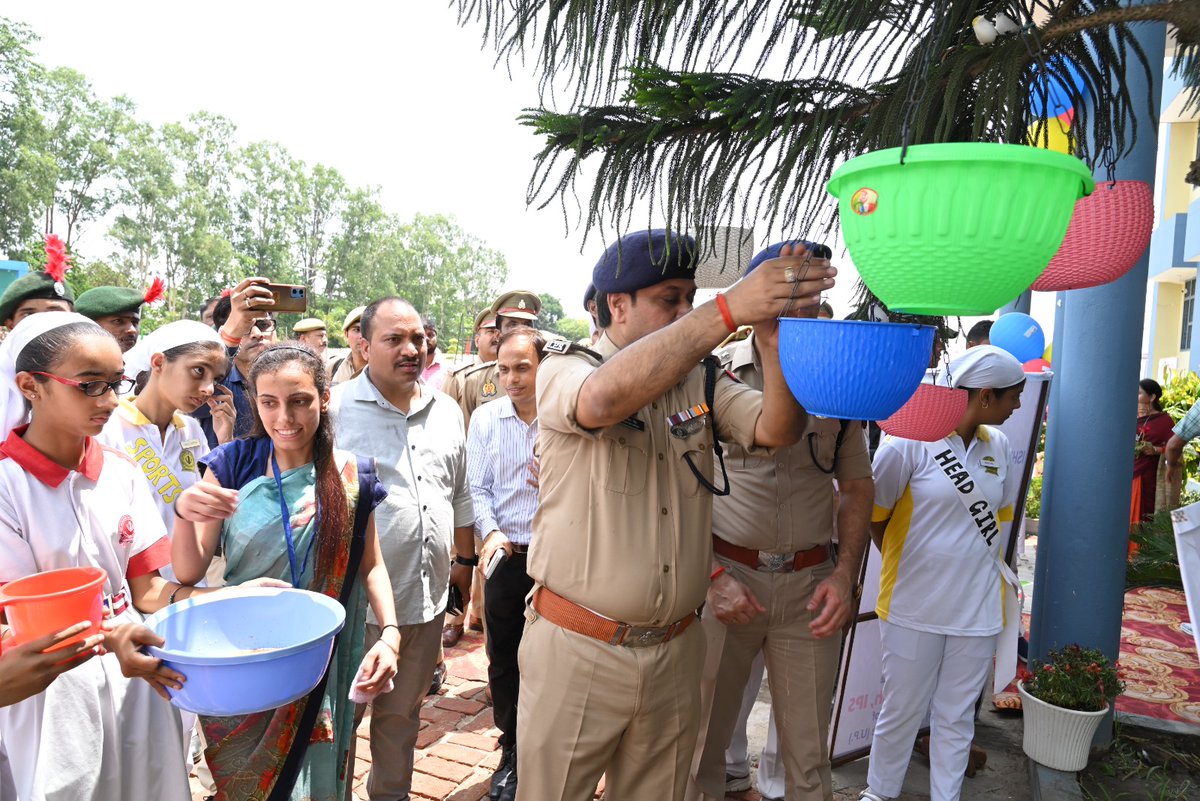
[472,562]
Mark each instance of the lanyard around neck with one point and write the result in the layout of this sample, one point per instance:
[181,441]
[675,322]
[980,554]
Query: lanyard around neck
[287,526]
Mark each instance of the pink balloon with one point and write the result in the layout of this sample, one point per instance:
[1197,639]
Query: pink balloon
[1037,366]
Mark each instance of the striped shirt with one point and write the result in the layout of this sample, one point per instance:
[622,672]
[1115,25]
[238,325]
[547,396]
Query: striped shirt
[499,450]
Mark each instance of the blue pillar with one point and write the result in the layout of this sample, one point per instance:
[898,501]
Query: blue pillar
[1079,583]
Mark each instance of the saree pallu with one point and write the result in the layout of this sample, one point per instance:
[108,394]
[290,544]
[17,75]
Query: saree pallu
[246,752]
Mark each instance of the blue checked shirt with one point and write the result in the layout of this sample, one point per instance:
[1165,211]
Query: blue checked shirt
[499,450]
[1189,427]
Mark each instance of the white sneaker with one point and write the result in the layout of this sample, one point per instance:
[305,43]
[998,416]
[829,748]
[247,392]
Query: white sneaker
[870,795]
[737,784]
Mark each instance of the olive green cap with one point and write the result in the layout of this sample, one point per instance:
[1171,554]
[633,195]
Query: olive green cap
[35,286]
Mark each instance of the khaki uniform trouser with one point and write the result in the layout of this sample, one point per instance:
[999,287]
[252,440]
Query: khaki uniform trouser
[589,709]
[396,716]
[801,671]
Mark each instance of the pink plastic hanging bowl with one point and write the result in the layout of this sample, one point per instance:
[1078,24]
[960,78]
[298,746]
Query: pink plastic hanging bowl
[930,414]
[1109,232]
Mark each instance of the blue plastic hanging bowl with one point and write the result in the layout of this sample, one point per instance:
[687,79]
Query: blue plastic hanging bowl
[852,369]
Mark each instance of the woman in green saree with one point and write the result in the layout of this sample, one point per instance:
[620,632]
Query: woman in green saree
[289,462]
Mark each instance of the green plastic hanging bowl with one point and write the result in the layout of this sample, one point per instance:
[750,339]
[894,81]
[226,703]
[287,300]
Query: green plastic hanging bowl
[959,228]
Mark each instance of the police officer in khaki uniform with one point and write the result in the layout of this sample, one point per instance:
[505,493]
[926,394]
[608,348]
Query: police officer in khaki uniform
[777,589]
[486,337]
[610,663]
[481,383]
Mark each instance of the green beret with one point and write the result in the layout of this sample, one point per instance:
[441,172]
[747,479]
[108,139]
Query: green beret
[105,301]
[32,286]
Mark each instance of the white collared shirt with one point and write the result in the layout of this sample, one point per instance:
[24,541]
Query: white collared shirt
[499,451]
[422,464]
[937,574]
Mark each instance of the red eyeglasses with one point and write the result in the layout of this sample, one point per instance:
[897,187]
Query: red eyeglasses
[93,389]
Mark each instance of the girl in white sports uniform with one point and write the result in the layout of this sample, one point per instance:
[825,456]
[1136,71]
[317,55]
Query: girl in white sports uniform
[178,366]
[941,592]
[67,501]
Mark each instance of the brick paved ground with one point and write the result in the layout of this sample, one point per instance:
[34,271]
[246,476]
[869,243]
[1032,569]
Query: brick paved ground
[457,749]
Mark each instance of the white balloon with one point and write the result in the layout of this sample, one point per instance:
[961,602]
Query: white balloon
[985,31]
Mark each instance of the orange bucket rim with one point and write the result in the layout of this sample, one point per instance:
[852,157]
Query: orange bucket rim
[97,579]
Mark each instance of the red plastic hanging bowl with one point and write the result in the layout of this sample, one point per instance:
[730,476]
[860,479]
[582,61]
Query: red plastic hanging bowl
[930,414]
[1109,232]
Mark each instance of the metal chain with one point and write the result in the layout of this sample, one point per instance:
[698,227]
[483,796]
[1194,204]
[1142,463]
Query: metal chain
[920,82]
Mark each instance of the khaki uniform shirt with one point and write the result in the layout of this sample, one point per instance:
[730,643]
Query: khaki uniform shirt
[452,386]
[782,501]
[623,527]
[477,385]
[345,371]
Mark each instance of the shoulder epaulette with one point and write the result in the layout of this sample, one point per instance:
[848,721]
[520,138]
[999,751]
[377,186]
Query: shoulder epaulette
[475,368]
[462,368]
[564,346]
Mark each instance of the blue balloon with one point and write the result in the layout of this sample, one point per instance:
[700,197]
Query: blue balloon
[1059,92]
[1020,335]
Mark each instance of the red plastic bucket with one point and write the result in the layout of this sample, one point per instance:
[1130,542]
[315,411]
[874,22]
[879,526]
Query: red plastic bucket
[47,602]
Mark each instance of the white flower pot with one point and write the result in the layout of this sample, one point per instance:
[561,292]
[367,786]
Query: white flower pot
[1055,737]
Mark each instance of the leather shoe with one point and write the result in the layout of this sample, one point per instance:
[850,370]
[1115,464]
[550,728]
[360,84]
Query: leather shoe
[451,634]
[439,675]
[504,780]
[476,624]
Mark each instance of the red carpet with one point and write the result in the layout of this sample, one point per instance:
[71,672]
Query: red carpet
[1158,661]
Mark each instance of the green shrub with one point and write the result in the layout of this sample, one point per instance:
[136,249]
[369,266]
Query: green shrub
[1033,501]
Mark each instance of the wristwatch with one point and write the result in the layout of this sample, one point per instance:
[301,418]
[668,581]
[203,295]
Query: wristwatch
[472,562]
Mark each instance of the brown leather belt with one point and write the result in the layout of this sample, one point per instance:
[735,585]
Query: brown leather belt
[573,617]
[768,561]
[519,548]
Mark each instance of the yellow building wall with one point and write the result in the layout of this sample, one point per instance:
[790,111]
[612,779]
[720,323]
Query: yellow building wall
[1181,152]
[1168,320]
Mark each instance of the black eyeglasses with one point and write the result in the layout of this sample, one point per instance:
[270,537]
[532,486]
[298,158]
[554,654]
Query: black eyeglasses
[93,389]
[265,324]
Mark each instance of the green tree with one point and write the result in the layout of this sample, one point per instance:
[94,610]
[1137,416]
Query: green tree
[266,210]
[83,135]
[321,195]
[657,113]
[573,328]
[551,313]
[26,169]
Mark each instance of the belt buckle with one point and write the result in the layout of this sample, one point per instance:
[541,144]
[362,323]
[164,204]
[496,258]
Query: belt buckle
[776,562]
[640,636]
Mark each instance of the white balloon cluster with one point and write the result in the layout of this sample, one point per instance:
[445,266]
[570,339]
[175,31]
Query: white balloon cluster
[986,31]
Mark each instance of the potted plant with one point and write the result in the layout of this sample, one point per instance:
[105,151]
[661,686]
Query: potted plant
[1033,505]
[1064,700]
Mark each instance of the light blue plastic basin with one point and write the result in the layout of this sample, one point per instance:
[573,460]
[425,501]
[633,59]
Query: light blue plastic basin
[247,650]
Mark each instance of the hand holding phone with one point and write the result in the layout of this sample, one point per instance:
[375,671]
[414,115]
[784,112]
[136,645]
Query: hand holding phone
[498,558]
[454,602]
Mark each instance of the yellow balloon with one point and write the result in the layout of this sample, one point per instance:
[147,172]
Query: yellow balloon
[1050,133]
[1049,352]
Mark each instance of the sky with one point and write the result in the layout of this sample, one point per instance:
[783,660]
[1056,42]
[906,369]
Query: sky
[393,94]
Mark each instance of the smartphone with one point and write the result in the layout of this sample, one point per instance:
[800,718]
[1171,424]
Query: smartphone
[288,298]
[454,602]
[494,563]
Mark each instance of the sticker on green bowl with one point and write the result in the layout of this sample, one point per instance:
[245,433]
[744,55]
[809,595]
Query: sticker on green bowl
[864,201]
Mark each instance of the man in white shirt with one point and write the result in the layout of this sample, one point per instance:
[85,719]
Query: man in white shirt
[416,436]
[499,461]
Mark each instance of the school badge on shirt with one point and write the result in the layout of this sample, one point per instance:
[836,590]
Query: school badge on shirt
[990,466]
[125,530]
[187,459]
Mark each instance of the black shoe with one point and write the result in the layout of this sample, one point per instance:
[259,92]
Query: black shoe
[504,780]
[439,673]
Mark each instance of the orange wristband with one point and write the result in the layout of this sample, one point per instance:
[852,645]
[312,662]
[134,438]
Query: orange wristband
[717,572]
[723,307]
